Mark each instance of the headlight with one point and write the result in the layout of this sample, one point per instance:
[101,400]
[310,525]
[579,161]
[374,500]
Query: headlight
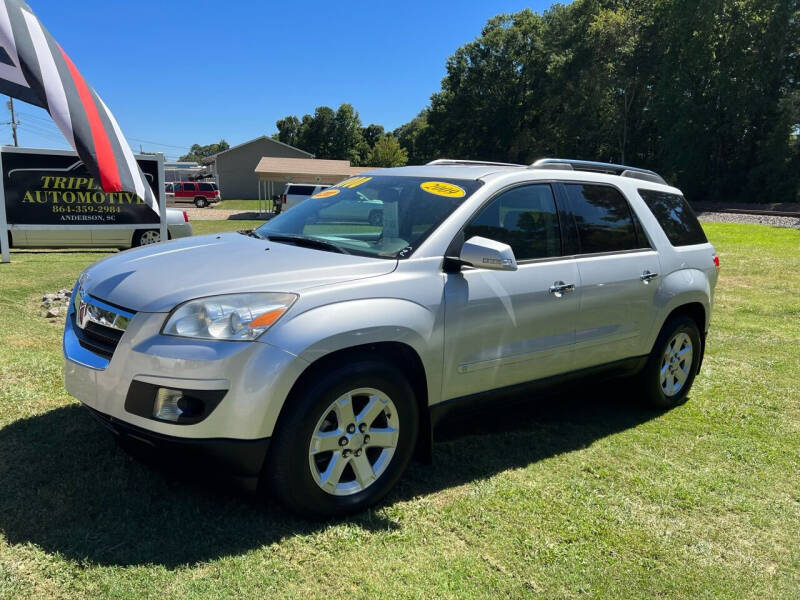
[231,317]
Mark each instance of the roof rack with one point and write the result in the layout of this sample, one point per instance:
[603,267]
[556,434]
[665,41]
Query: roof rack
[458,161]
[598,167]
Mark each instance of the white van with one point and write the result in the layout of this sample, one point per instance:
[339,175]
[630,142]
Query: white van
[295,193]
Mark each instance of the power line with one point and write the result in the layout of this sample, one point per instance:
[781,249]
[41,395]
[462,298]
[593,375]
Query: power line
[42,132]
[160,144]
[48,121]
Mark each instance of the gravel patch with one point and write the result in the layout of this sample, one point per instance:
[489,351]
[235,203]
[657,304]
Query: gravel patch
[718,217]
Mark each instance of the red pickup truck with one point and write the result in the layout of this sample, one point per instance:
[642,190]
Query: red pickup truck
[201,193]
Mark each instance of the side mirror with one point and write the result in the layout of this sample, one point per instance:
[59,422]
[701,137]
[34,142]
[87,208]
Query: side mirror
[484,253]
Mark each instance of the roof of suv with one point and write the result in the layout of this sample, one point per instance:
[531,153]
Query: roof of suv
[442,171]
[543,168]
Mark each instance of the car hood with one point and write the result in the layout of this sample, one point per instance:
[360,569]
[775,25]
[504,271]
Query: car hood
[157,278]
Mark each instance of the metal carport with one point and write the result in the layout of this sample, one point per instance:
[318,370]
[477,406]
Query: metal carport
[271,170]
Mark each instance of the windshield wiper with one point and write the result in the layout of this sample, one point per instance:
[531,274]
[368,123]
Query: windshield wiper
[251,233]
[299,240]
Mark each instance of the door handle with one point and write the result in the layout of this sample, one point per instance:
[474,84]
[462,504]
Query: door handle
[559,288]
[647,275]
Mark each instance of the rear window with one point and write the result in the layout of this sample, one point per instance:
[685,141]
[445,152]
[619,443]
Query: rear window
[301,190]
[675,216]
[206,187]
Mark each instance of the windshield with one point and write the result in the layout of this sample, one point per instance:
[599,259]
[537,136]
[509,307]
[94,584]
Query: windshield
[381,216]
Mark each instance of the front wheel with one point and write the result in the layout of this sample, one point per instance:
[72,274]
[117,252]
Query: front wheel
[344,440]
[673,363]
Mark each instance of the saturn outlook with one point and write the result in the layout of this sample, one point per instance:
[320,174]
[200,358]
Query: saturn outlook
[315,356]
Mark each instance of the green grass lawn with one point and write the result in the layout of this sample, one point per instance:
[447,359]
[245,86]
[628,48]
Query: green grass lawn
[577,495]
[240,205]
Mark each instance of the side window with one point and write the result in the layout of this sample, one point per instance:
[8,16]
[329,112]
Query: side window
[603,218]
[675,216]
[206,187]
[168,187]
[189,187]
[301,190]
[177,187]
[525,218]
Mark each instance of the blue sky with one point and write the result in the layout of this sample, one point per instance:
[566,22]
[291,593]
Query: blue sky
[177,73]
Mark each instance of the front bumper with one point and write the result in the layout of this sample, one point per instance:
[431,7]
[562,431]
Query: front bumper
[239,460]
[254,377]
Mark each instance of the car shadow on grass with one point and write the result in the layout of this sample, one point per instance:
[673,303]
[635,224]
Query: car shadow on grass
[66,487]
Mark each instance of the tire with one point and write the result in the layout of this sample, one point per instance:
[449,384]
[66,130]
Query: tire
[679,337]
[376,218]
[145,237]
[200,202]
[295,473]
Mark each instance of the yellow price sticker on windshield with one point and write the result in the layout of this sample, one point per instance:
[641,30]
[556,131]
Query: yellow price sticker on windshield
[353,182]
[440,188]
[326,193]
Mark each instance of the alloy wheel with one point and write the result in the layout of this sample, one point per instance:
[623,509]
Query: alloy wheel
[353,442]
[149,237]
[676,363]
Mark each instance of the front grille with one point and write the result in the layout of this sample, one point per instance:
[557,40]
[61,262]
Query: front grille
[103,324]
[98,339]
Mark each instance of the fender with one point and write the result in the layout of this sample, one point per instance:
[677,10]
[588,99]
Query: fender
[328,328]
[680,287]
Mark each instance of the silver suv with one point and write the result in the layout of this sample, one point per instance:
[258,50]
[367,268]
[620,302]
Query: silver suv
[316,356]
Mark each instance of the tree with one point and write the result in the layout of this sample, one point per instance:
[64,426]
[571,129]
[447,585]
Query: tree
[198,153]
[288,131]
[372,133]
[347,137]
[325,134]
[704,92]
[414,137]
[387,153]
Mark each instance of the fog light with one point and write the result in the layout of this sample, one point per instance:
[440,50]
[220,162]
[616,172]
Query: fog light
[166,405]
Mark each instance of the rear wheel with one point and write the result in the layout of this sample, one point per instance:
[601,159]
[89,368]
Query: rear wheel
[673,363]
[343,441]
[145,237]
[200,202]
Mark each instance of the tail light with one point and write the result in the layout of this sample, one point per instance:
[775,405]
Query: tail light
[283,199]
[716,261]
[185,217]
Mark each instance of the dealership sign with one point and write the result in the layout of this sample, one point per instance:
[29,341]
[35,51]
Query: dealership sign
[45,189]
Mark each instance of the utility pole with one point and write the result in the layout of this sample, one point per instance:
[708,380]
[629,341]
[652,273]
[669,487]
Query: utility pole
[14,122]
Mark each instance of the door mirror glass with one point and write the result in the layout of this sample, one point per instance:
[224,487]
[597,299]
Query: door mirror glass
[484,253]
